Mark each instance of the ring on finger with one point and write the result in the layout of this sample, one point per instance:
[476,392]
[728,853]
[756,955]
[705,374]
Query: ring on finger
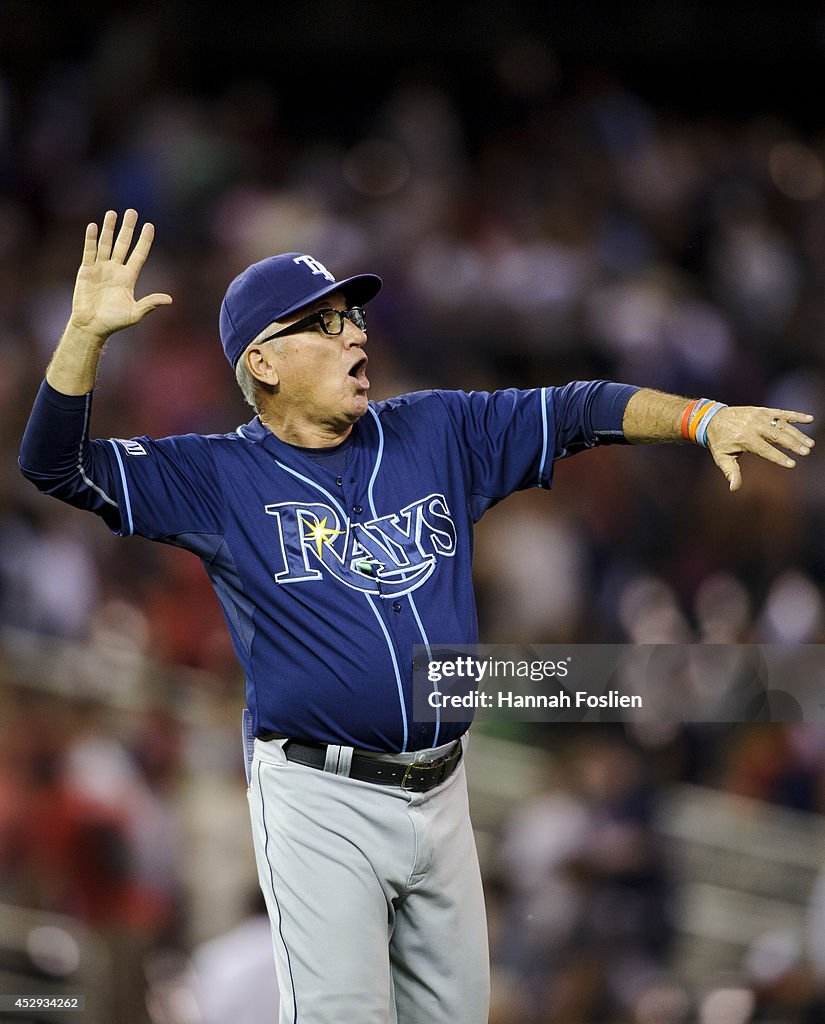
[775,422]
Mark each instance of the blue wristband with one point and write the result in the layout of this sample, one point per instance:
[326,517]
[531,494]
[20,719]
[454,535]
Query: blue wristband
[702,427]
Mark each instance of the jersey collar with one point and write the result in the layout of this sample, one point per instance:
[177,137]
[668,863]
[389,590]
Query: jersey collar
[255,431]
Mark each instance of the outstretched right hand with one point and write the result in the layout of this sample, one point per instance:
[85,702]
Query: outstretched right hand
[104,294]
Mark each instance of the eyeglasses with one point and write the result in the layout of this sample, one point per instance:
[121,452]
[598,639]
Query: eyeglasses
[331,322]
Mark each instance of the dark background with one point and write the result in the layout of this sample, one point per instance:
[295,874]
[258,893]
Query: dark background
[335,60]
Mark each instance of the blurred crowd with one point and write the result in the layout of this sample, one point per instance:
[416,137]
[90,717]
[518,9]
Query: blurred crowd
[590,921]
[555,226]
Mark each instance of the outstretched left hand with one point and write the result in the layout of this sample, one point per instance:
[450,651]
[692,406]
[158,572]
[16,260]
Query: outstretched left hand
[746,428]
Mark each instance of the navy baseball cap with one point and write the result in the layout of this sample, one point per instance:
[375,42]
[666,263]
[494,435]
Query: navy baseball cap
[275,288]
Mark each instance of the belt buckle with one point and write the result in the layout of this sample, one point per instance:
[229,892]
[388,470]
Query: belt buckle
[426,766]
[411,783]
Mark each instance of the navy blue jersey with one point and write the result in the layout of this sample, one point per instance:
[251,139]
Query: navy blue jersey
[331,566]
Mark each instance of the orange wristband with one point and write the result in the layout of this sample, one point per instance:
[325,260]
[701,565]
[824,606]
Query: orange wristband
[705,404]
[686,415]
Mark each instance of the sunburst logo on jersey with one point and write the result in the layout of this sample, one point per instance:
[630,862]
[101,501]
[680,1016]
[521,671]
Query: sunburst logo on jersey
[318,533]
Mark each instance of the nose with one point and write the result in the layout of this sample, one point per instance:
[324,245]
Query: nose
[353,335]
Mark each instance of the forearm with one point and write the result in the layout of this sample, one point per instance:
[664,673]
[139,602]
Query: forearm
[73,367]
[588,413]
[653,417]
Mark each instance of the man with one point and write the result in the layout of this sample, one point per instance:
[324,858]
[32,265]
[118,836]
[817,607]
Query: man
[338,534]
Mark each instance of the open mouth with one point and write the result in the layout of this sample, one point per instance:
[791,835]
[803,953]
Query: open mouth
[358,373]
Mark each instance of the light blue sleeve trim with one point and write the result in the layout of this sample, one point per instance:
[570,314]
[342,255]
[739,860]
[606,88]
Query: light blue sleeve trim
[398,684]
[544,437]
[84,435]
[126,498]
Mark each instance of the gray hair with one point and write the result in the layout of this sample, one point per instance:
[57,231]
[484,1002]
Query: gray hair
[249,385]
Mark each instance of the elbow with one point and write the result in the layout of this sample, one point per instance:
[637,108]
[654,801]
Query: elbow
[46,483]
[30,474]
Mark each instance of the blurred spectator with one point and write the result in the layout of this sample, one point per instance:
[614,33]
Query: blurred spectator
[780,763]
[585,929]
[85,833]
[48,576]
[233,975]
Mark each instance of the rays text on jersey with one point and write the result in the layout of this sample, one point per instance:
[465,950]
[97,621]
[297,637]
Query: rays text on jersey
[389,555]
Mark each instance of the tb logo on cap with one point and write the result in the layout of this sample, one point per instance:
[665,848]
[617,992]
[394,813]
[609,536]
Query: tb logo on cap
[314,266]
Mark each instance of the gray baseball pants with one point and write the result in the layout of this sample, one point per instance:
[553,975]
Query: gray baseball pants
[374,895]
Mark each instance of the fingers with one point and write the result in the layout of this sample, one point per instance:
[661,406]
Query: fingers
[106,247]
[793,439]
[781,431]
[765,450]
[762,441]
[107,232]
[729,464]
[791,417]
[124,236]
[142,247]
[150,302]
[90,245]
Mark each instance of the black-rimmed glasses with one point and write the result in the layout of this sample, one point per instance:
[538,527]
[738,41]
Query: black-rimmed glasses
[331,322]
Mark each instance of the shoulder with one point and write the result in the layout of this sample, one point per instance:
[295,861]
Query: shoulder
[425,412]
[458,409]
[433,402]
[189,447]
[413,402]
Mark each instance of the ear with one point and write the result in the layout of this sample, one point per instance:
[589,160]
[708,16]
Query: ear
[260,361]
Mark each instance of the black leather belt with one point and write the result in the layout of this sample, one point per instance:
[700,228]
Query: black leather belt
[417,778]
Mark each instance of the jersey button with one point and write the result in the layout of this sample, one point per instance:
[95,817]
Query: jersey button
[340,481]
[396,606]
[357,509]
